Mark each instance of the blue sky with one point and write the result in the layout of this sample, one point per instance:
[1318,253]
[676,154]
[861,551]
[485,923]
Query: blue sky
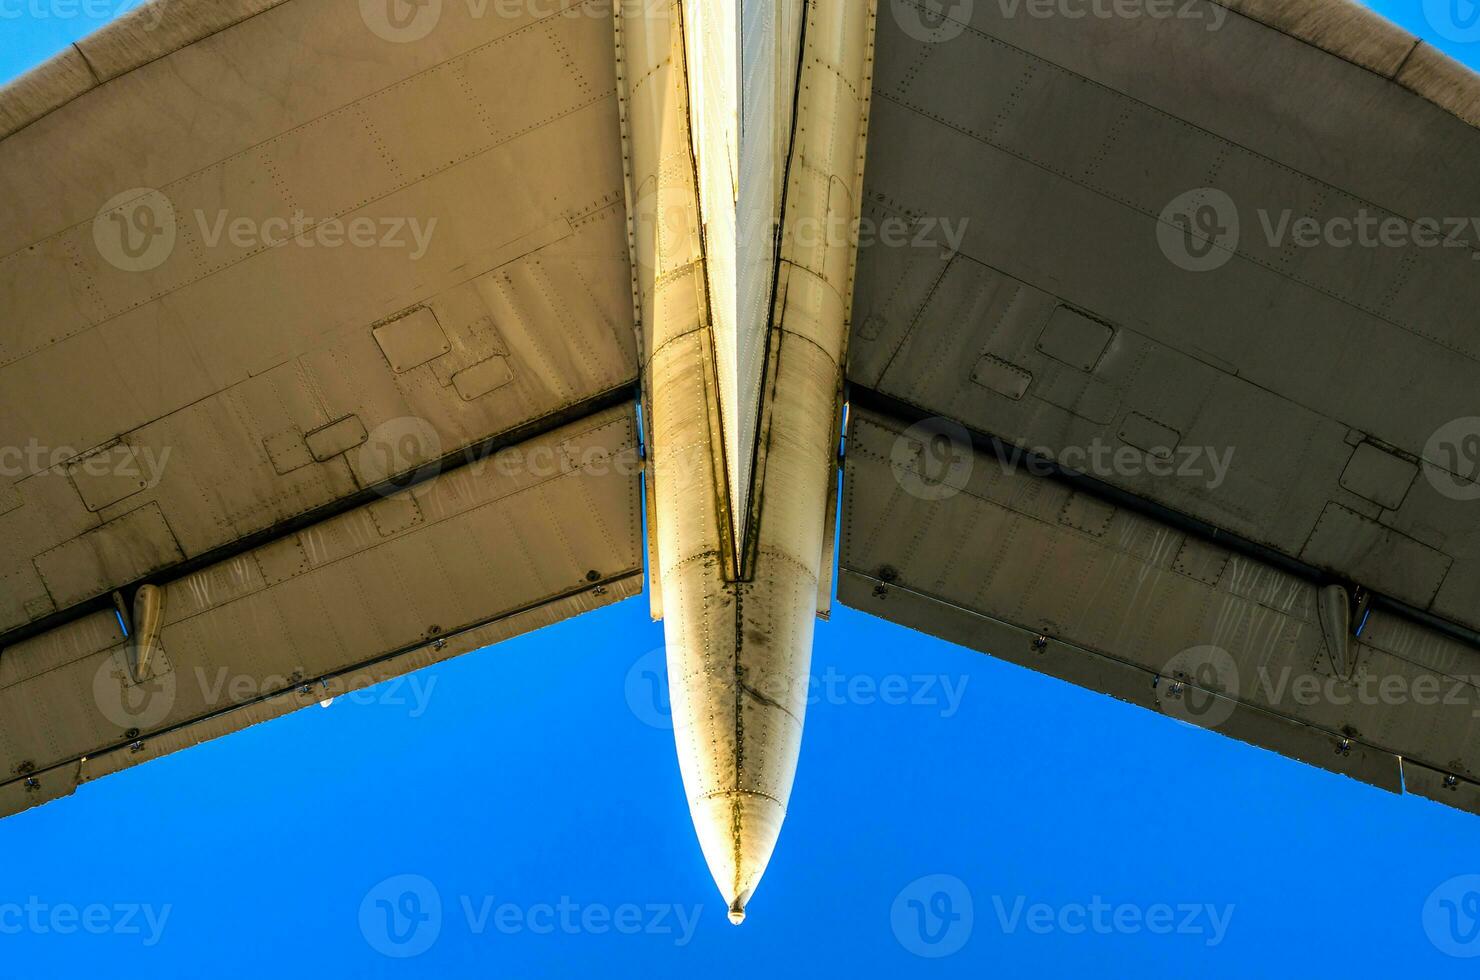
[534,794]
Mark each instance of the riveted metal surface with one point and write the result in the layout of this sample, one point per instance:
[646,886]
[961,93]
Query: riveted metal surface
[1231,392]
[1148,614]
[438,569]
[224,278]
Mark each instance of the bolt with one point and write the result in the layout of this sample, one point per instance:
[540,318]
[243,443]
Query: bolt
[1040,642]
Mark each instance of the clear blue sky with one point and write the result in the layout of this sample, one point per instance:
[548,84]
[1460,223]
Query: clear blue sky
[530,777]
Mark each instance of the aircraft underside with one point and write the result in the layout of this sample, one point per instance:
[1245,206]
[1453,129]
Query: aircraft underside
[660,296]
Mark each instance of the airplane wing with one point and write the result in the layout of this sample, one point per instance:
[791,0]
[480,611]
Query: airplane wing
[1154,392]
[320,329]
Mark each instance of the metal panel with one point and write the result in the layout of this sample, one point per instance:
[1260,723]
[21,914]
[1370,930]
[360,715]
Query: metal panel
[427,573]
[129,547]
[1017,149]
[986,554]
[263,262]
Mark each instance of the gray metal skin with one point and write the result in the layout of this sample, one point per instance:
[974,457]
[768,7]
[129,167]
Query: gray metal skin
[1076,322]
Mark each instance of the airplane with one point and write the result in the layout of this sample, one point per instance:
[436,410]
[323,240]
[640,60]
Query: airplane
[341,339]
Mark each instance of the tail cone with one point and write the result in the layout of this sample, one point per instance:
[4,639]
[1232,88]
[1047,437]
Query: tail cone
[737,831]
